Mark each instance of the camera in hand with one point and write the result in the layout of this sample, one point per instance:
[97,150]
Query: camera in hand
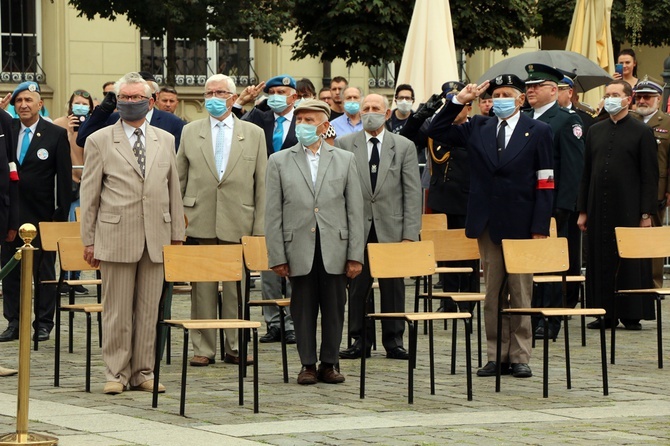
[81,119]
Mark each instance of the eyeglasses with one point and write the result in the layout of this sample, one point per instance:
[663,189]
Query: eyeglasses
[221,94]
[646,97]
[536,86]
[404,98]
[133,98]
[82,93]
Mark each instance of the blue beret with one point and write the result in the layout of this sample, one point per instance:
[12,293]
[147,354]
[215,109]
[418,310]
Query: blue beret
[649,87]
[566,82]
[23,86]
[506,80]
[283,80]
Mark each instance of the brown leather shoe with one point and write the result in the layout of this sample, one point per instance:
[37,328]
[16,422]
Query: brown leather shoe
[148,386]
[7,372]
[307,375]
[201,361]
[329,375]
[113,388]
[230,359]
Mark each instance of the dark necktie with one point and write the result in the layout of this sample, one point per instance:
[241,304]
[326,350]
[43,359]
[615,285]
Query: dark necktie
[500,139]
[138,150]
[374,163]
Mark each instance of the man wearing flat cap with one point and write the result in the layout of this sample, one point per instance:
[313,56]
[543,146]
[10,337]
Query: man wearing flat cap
[278,125]
[43,155]
[511,194]
[648,96]
[568,134]
[314,233]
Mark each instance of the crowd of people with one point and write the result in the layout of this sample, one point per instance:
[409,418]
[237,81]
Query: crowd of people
[320,175]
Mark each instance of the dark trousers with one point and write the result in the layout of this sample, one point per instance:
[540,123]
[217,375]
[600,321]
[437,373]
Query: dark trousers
[314,291]
[392,293]
[45,307]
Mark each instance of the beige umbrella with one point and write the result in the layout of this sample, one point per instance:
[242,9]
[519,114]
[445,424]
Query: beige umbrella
[429,57]
[591,36]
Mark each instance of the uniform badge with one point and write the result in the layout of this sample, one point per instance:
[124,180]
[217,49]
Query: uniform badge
[32,88]
[660,130]
[577,131]
[286,81]
[499,80]
[43,154]
[373,168]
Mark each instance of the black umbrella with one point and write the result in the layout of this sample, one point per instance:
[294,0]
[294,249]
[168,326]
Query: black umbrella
[589,74]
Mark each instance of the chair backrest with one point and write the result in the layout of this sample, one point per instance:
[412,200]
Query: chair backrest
[52,231]
[388,260]
[451,244]
[202,263]
[553,231]
[530,256]
[71,255]
[255,253]
[433,221]
[643,243]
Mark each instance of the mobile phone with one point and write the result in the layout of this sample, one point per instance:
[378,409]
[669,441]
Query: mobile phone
[81,119]
[619,68]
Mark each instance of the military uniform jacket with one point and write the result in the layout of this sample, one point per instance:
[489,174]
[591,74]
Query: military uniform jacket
[503,192]
[660,123]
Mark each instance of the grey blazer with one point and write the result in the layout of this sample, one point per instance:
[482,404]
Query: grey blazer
[395,205]
[294,208]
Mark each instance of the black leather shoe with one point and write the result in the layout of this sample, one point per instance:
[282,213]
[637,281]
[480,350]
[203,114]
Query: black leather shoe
[521,371]
[595,325]
[290,337]
[10,334]
[490,369]
[42,334]
[631,324]
[354,352]
[397,353]
[539,333]
[273,335]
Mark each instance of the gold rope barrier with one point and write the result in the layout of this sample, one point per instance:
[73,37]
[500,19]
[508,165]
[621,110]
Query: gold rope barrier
[22,436]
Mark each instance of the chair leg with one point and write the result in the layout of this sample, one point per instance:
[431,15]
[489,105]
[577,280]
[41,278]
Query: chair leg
[468,357]
[364,346]
[221,339]
[57,345]
[479,333]
[241,369]
[603,356]
[453,346]
[184,368]
[582,300]
[414,334]
[71,314]
[545,362]
[431,359]
[168,347]
[88,352]
[157,363]
[282,330]
[566,335]
[659,332]
[614,320]
[255,334]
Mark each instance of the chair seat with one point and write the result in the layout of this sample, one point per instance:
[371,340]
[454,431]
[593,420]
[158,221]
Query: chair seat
[420,316]
[459,297]
[270,302]
[75,282]
[660,291]
[204,324]
[453,270]
[558,279]
[549,312]
[82,308]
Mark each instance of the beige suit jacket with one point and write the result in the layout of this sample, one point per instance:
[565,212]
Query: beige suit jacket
[121,210]
[234,206]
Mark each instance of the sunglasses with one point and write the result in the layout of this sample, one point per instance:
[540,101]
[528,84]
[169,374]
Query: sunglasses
[82,93]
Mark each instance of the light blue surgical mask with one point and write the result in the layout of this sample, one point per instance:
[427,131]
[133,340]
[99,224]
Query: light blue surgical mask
[306,133]
[504,107]
[216,107]
[352,107]
[613,105]
[297,102]
[277,103]
[80,109]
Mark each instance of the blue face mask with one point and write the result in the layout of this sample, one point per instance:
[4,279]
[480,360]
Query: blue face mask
[306,133]
[216,107]
[352,107]
[80,109]
[277,103]
[504,107]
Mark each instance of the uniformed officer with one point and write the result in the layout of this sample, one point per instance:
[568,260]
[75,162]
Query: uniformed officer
[542,94]
[648,99]
[567,97]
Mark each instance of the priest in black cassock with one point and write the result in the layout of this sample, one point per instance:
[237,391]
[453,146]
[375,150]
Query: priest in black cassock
[618,188]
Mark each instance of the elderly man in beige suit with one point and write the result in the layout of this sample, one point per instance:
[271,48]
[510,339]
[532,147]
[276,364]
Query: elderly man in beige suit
[221,164]
[130,208]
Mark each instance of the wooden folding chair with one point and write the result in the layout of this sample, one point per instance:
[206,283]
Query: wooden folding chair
[401,260]
[579,279]
[452,245]
[71,256]
[535,256]
[643,243]
[433,221]
[204,263]
[50,232]
[255,261]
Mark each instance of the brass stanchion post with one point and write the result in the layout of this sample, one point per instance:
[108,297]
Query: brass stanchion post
[22,436]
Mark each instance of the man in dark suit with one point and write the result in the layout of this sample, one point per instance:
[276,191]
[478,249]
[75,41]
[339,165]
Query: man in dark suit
[278,123]
[389,177]
[511,192]
[104,115]
[566,125]
[43,153]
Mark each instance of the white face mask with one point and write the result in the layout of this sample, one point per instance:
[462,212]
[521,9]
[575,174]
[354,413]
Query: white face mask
[613,105]
[405,106]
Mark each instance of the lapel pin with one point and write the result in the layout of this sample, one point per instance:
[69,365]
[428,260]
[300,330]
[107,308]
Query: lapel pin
[240,137]
[527,133]
[38,134]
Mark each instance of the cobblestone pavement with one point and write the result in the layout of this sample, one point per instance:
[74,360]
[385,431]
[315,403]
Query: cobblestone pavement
[635,412]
